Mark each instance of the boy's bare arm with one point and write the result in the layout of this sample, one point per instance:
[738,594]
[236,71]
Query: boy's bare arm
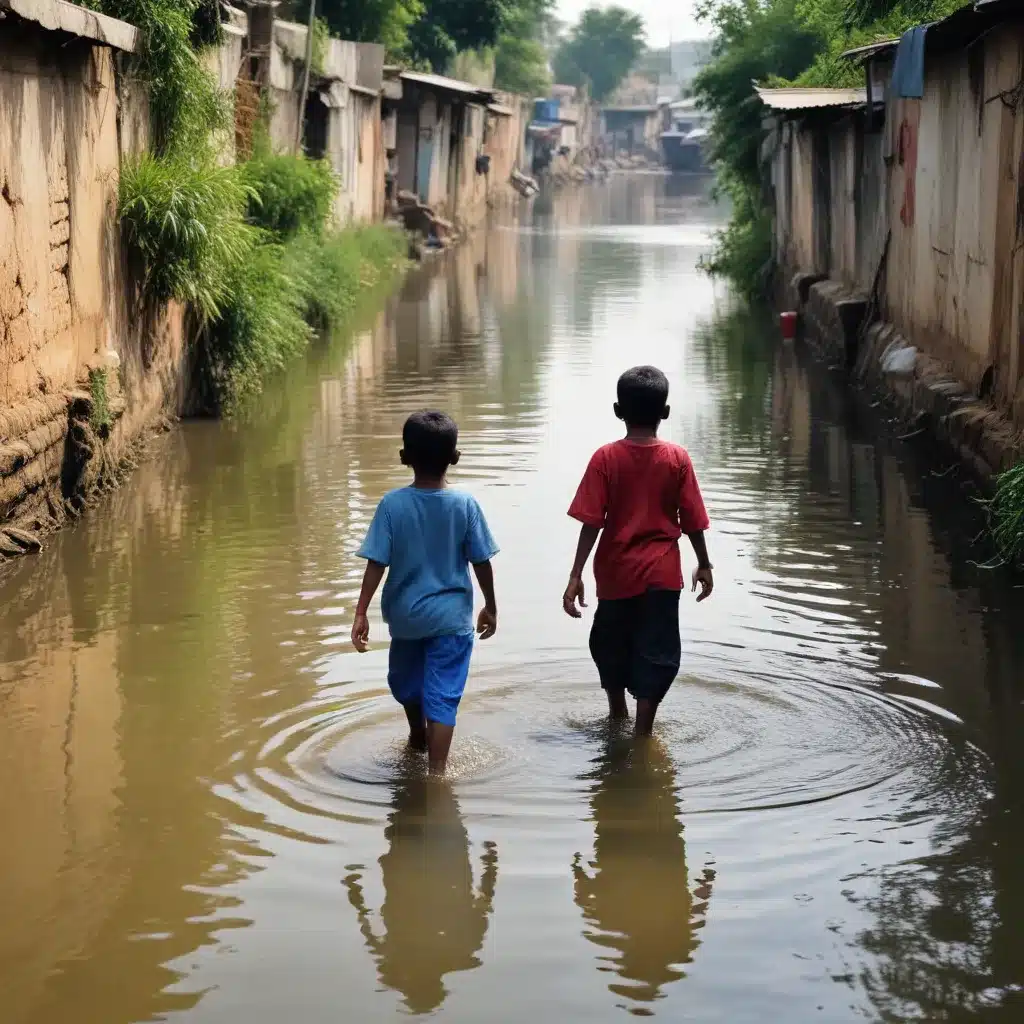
[487,620]
[703,576]
[361,624]
[574,592]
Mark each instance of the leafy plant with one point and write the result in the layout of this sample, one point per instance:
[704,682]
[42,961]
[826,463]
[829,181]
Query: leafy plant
[868,12]
[245,248]
[743,251]
[100,416]
[289,194]
[335,269]
[754,43]
[259,327]
[185,224]
[321,41]
[275,297]
[186,108]
[845,24]
[370,21]
[1006,513]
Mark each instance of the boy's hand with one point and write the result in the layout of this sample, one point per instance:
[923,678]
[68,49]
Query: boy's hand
[361,633]
[705,579]
[487,623]
[574,593]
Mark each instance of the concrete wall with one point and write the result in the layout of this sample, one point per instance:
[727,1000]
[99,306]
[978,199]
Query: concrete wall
[505,143]
[66,297]
[58,182]
[348,91]
[829,181]
[943,180]
[955,282]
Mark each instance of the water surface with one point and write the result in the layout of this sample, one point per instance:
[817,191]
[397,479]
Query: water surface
[207,812]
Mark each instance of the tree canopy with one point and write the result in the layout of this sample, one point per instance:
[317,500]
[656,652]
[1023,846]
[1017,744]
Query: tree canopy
[600,50]
[521,57]
[422,31]
[369,21]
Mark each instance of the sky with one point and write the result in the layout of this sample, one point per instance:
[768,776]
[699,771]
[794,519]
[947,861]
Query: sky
[666,19]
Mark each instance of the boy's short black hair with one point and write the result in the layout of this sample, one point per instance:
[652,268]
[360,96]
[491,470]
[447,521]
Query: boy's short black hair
[643,395]
[429,441]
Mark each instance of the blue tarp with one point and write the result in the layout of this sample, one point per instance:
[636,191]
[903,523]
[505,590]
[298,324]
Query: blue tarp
[908,68]
[545,110]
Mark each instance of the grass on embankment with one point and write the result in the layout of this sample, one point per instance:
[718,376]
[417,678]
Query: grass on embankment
[1006,516]
[252,251]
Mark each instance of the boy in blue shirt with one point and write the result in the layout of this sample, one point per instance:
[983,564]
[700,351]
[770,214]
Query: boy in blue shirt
[425,537]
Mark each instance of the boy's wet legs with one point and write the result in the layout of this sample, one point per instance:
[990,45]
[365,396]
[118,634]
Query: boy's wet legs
[417,727]
[439,743]
[618,710]
[646,710]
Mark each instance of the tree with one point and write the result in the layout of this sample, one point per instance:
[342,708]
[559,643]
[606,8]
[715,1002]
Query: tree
[449,26]
[845,24]
[600,50]
[754,43]
[521,58]
[863,13]
[432,32]
[369,21]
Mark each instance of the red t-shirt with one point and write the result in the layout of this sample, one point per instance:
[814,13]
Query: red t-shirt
[644,497]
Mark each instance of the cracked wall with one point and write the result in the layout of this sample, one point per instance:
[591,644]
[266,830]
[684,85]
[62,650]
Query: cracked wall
[66,296]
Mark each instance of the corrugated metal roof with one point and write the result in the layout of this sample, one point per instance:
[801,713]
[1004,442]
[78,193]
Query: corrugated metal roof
[871,50]
[447,84]
[59,16]
[810,99]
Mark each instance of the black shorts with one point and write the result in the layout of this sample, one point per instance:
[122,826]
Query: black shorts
[635,643]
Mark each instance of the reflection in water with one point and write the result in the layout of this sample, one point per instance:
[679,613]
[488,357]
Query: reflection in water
[433,919]
[635,896]
[190,755]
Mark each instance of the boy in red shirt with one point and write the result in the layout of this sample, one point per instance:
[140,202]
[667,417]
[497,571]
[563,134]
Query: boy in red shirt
[643,493]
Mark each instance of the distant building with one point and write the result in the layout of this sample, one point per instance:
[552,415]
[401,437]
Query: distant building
[562,125]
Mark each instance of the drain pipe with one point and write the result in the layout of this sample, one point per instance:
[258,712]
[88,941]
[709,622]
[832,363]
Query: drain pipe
[305,79]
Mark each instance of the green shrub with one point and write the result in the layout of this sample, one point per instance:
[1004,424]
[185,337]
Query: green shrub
[743,250]
[186,107]
[1006,512]
[184,223]
[290,193]
[274,297]
[321,41]
[336,267]
[100,416]
[260,328]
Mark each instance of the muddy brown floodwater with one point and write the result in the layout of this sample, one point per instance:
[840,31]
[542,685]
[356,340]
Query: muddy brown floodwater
[205,809]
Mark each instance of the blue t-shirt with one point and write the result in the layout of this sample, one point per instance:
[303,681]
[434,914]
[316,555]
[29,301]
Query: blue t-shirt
[428,540]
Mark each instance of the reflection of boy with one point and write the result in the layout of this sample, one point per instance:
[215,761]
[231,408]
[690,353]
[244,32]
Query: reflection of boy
[434,918]
[425,537]
[643,494]
[636,895]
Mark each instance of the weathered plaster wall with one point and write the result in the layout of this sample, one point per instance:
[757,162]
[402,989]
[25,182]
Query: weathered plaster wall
[66,298]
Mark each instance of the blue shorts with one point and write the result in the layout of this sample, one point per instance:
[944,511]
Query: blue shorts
[431,672]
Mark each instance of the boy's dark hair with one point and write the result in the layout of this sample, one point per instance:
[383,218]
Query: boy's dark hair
[429,442]
[643,396]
